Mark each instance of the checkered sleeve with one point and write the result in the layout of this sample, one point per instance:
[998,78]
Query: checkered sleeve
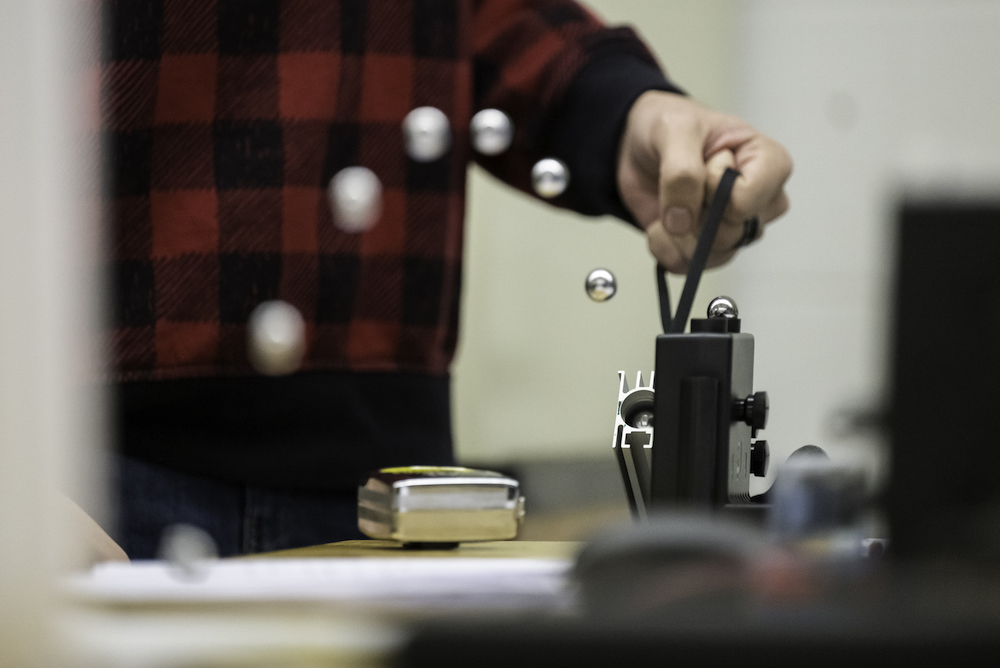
[567,81]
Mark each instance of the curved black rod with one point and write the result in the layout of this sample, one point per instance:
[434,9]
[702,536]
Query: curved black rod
[706,240]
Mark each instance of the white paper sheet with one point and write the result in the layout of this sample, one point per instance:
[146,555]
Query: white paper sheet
[422,581]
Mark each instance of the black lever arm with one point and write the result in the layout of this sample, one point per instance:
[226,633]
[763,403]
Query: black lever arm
[706,240]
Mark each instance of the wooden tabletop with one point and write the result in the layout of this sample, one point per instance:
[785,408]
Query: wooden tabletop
[504,549]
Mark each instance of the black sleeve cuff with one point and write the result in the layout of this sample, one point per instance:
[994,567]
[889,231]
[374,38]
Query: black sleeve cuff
[586,131]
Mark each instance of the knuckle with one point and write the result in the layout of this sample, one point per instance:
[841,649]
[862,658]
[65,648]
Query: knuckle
[666,253]
[655,240]
[743,204]
[686,177]
[782,207]
[720,258]
[740,211]
[787,164]
[684,174]
[727,238]
[682,116]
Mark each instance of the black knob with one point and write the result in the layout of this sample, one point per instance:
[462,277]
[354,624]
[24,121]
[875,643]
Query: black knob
[755,410]
[760,454]
[752,410]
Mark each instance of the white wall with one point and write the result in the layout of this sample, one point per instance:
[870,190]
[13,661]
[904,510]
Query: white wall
[536,374]
[872,98]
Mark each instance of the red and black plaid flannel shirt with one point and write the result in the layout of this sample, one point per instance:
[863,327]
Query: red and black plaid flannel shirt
[226,119]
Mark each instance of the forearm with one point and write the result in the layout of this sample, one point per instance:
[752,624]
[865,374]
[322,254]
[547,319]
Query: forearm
[567,81]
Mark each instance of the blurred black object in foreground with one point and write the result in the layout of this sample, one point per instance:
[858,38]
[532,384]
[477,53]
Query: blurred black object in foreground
[944,490]
[556,644]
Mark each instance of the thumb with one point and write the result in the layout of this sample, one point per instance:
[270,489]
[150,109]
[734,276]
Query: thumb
[682,176]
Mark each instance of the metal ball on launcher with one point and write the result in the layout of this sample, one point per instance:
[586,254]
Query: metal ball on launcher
[723,307]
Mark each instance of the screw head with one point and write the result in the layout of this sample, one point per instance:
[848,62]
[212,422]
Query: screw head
[427,134]
[492,132]
[601,285]
[550,177]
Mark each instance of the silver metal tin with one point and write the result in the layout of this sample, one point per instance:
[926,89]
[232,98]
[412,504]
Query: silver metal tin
[439,504]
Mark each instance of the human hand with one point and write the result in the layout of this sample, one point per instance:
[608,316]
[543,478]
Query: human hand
[673,154]
[93,545]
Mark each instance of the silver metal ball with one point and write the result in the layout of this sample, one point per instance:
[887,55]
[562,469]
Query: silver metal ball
[427,134]
[550,177]
[355,195]
[492,132]
[643,419]
[723,307]
[276,338]
[601,285]
[188,550]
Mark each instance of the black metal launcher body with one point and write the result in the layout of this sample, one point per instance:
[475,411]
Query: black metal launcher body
[701,448]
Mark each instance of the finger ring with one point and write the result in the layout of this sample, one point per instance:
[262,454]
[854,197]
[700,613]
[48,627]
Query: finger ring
[751,230]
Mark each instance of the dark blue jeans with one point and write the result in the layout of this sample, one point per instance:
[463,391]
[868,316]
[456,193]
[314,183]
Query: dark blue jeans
[242,518]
